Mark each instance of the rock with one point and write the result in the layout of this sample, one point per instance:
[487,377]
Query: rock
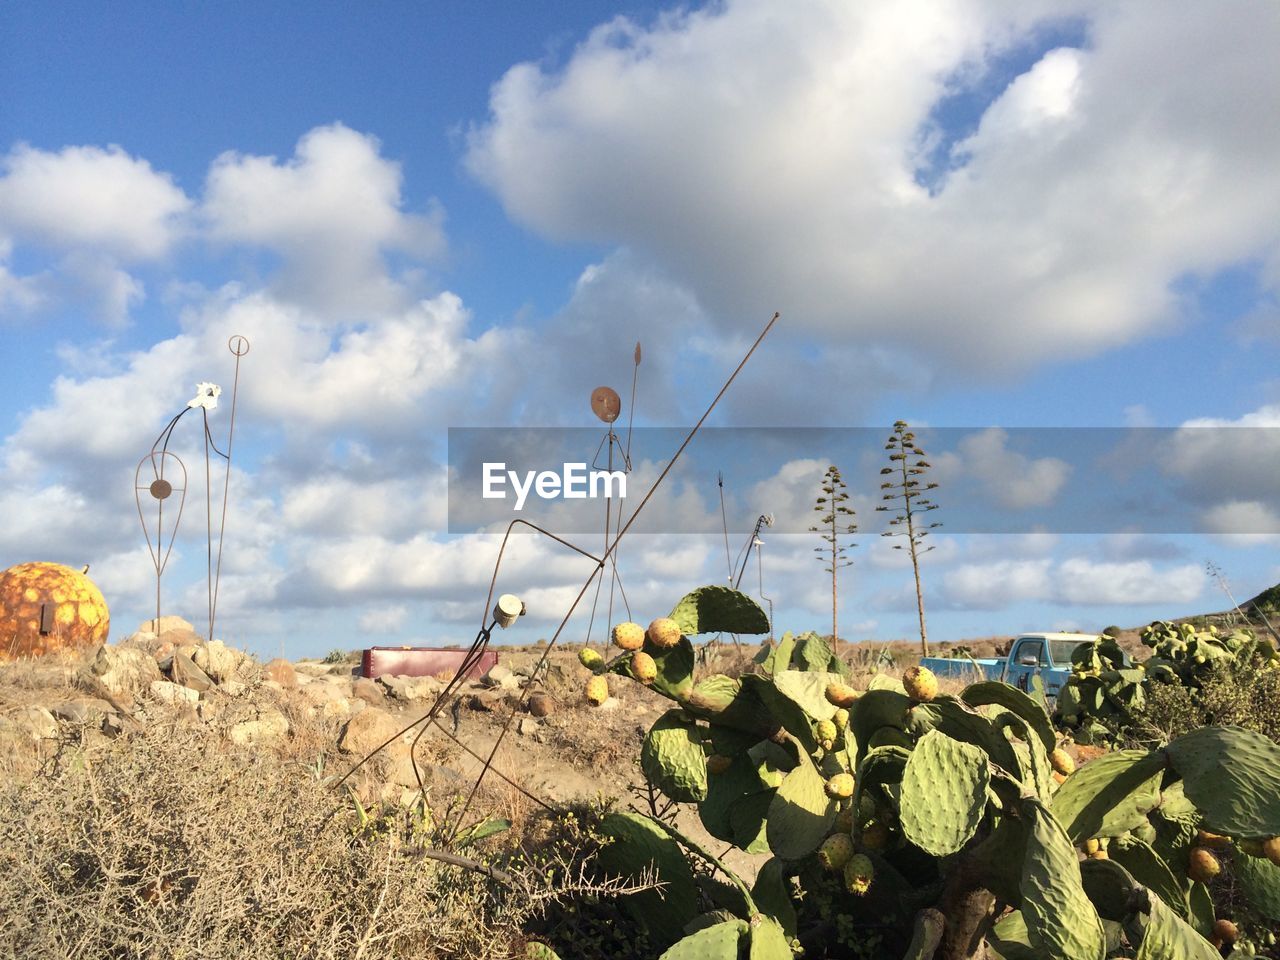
[166,625]
[87,710]
[218,660]
[486,701]
[528,725]
[234,688]
[124,671]
[411,688]
[541,705]
[610,705]
[269,725]
[31,724]
[184,671]
[368,690]
[502,678]
[167,692]
[282,672]
[327,698]
[368,730]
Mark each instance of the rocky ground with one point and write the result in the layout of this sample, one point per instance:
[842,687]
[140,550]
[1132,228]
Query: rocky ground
[328,718]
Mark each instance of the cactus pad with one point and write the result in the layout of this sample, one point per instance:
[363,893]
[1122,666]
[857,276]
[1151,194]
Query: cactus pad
[1168,937]
[1109,796]
[1061,921]
[673,760]
[800,813]
[944,793]
[1015,701]
[1233,777]
[808,690]
[640,845]
[1260,881]
[717,609]
[719,942]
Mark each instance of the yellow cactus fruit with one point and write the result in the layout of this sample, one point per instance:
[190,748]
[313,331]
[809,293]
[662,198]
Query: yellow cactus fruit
[597,691]
[1224,933]
[1099,855]
[1061,762]
[841,694]
[1214,841]
[643,667]
[1092,846]
[718,763]
[840,786]
[590,658]
[841,719]
[835,852]
[858,874]
[628,636]
[664,633]
[826,733]
[1059,778]
[1203,866]
[1271,850]
[920,683]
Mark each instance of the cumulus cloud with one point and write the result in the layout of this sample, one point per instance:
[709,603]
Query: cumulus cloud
[1010,479]
[1091,183]
[1073,581]
[90,198]
[333,213]
[1260,523]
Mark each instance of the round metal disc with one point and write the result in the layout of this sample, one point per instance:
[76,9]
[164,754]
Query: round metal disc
[606,404]
[160,489]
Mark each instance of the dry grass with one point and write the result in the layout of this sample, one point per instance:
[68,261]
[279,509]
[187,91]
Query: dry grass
[170,844]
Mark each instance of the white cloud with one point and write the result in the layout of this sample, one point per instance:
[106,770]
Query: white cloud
[90,198]
[1243,523]
[1011,479]
[772,158]
[333,212]
[388,619]
[991,586]
[1084,582]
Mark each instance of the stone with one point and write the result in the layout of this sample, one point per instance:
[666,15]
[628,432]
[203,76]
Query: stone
[218,660]
[502,678]
[528,725]
[124,671]
[234,688]
[184,671]
[32,723]
[411,688]
[541,705]
[368,690]
[87,710]
[368,730]
[166,625]
[486,701]
[282,672]
[174,693]
[326,698]
[610,705]
[270,724]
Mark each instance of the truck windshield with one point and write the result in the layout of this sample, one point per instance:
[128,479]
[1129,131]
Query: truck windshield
[1061,650]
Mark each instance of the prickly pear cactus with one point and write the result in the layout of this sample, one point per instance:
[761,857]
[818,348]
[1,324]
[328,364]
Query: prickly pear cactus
[717,609]
[944,793]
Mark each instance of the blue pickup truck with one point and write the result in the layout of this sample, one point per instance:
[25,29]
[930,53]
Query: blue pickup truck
[1046,654]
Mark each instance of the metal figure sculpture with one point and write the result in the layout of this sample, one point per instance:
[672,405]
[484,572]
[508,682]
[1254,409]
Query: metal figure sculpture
[480,644]
[160,488]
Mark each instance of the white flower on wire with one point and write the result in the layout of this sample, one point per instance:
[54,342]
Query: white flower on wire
[206,396]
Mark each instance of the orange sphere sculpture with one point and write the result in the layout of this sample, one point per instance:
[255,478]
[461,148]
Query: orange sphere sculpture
[46,607]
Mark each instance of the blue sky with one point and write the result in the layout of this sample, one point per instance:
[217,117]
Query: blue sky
[970,215]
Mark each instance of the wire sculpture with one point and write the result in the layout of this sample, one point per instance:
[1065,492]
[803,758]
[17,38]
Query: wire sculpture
[160,488]
[480,645]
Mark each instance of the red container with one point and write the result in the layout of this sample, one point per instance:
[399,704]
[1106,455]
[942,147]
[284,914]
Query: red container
[421,661]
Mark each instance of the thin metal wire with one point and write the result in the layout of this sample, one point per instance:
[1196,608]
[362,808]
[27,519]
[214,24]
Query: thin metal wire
[608,553]
[233,344]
